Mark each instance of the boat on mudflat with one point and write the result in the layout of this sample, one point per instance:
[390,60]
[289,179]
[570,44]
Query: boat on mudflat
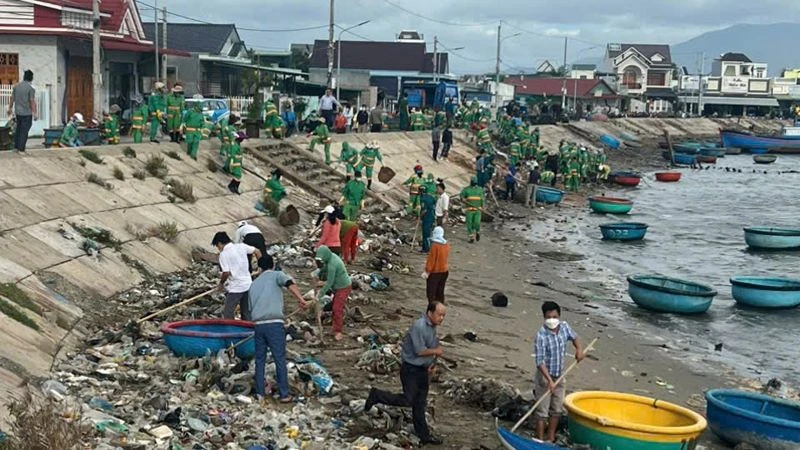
[763,292]
[719,152]
[668,177]
[684,160]
[670,295]
[764,159]
[548,195]
[767,238]
[512,441]
[762,421]
[733,151]
[614,420]
[748,141]
[197,338]
[687,148]
[626,178]
[623,231]
[610,205]
[706,159]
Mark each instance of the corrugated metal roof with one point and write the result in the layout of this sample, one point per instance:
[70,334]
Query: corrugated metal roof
[400,56]
[193,38]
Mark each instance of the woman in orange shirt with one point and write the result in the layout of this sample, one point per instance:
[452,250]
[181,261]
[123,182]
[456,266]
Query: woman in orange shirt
[436,267]
[331,226]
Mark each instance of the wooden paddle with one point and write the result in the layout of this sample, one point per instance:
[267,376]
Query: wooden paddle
[170,308]
[544,396]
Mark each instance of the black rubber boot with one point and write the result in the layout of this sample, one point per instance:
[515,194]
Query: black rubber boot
[232,186]
[369,184]
[236,187]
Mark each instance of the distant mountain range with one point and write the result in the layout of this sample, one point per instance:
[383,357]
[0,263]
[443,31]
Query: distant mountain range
[772,44]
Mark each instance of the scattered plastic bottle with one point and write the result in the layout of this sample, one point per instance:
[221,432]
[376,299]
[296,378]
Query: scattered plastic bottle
[101,404]
[53,389]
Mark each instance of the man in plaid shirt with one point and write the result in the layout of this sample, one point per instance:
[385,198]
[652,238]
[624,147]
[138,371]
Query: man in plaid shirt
[551,346]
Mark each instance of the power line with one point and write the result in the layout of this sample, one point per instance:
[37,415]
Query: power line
[442,22]
[455,53]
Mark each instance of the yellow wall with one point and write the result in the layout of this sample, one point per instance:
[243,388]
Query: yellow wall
[791,73]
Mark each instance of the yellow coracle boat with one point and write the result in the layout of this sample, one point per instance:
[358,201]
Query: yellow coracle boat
[617,421]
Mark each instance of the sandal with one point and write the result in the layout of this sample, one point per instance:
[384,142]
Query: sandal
[288,399]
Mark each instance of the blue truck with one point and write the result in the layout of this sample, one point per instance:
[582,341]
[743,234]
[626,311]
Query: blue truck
[427,94]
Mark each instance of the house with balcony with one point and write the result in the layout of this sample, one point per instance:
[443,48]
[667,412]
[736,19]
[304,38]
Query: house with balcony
[580,95]
[736,86]
[642,72]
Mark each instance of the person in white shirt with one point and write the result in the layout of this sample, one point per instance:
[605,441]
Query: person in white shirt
[249,234]
[442,204]
[234,263]
[328,105]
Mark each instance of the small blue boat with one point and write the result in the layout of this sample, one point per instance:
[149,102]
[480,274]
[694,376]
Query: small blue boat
[686,160]
[712,151]
[670,295]
[548,195]
[766,238]
[623,231]
[513,441]
[687,148]
[196,338]
[759,151]
[765,422]
[610,141]
[761,292]
[752,142]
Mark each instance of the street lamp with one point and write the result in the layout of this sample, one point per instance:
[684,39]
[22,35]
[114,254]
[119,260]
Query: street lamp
[439,60]
[339,55]
[497,68]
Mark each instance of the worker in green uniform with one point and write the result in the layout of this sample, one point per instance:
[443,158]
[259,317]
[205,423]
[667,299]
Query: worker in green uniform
[427,216]
[474,198]
[273,189]
[193,125]
[273,123]
[535,137]
[413,183]
[111,125]
[366,165]
[321,136]
[175,108]
[353,196]
[514,153]
[348,156]
[402,110]
[227,134]
[234,164]
[69,136]
[138,119]
[430,184]
[417,120]
[572,180]
[440,118]
[157,106]
[483,138]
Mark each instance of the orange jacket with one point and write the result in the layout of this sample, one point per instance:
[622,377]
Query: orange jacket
[437,258]
[330,234]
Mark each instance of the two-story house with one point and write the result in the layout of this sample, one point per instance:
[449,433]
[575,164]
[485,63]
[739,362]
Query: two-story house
[53,38]
[644,73]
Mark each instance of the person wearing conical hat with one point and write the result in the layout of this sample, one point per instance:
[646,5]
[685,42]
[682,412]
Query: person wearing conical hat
[175,109]
[321,135]
[157,106]
[369,154]
[138,119]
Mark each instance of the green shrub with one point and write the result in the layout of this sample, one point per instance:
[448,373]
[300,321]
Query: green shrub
[91,156]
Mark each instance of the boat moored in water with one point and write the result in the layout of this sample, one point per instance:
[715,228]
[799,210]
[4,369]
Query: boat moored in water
[765,292]
[670,295]
[767,238]
[765,422]
[764,159]
[610,205]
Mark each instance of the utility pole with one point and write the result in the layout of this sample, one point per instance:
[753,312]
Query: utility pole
[97,80]
[330,48]
[564,80]
[497,71]
[700,86]
[157,56]
[164,45]
[435,58]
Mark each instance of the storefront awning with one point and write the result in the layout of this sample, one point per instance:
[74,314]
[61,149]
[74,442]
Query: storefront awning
[733,101]
[123,46]
[667,93]
[248,65]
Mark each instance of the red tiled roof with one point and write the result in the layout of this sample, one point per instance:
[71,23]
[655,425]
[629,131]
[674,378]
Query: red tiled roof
[114,8]
[552,86]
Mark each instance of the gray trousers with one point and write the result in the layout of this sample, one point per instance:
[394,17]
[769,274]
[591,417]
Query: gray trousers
[236,298]
[530,195]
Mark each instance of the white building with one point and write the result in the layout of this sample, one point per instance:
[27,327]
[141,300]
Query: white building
[644,73]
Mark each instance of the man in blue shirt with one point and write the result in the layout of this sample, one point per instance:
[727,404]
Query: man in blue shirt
[420,349]
[551,346]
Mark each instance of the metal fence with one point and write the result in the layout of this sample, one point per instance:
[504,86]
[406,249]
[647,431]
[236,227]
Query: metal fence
[42,103]
[239,105]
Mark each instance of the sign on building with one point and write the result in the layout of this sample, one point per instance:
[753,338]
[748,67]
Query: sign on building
[734,85]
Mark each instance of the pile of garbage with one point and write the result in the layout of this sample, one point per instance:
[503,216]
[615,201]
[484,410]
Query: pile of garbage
[501,399]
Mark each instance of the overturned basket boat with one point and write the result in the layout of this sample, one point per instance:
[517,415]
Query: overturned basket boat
[197,338]
[385,175]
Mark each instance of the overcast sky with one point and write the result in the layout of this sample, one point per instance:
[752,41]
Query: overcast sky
[472,24]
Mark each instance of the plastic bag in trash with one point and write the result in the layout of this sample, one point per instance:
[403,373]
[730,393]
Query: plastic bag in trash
[379,282]
[319,376]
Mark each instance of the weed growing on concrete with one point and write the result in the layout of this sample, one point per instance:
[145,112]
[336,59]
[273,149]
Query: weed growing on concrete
[13,312]
[38,423]
[128,152]
[91,156]
[100,235]
[13,293]
[140,174]
[156,166]
[212,165]
[183,191]
[166,231]
[95,178]
[82,162]
[119,174]
[62,322]
[173,154]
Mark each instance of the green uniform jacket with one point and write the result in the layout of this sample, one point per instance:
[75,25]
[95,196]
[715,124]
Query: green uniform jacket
[175,106]
[139,117]
[414,182]
[111,126]
[428,207]
[473,198]
[195,121]
[349,155]
[332,271]
[354,191]
[322,131]
[69,134]
[274,189]
[368,157]
[156,102]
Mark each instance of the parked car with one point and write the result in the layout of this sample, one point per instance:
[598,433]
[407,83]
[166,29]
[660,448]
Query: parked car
[214,109]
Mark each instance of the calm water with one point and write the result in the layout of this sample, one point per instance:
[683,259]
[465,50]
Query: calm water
[696,233]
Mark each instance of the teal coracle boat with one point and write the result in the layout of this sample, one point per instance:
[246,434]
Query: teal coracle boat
[762,292]
[767,238]
[670,295]
[623,231]
[610,205]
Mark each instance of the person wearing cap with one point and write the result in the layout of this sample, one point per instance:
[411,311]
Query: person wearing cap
[69,136]
[273,191]
[273,123]
[321,136]
[156,105]
[111,125]
[235,279]
[265,300]
[349,156]
[175,109]
[353,196]
[247,233]
[331,230]
[138,119]
[193,124]
[474,198]
[436,266]
[366,165]
[333,275]
[427,216]
[413,183]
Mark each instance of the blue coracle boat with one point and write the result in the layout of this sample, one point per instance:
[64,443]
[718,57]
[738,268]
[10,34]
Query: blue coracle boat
[713,151]
[196,338]
[760,292]
[687,160]
[610,141]
[623,231]
[512,441]
[670,295]
[767,238]
[753,142]
[765,422]
[548,195]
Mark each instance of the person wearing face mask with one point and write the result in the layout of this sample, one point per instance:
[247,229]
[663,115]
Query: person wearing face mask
[550,348]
